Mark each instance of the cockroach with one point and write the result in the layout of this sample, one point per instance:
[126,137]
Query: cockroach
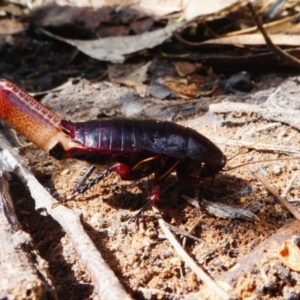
[134,148]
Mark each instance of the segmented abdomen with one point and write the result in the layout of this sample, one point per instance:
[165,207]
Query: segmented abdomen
[129,135]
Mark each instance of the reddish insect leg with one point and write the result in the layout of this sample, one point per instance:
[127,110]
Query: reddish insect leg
[155,193]
[126,173]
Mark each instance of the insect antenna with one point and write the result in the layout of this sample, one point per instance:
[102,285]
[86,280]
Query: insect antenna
[254,162]
[259,161]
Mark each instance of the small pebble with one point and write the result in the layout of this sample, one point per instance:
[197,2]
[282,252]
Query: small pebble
[65,172]
[277,170]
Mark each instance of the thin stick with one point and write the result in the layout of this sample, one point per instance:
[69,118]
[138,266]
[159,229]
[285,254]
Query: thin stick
[276,50]
[22,270]
[188,260]
[289,185]
[280,200]
[105,281]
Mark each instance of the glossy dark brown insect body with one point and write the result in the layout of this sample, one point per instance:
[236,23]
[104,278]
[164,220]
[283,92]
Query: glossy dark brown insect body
[135,148]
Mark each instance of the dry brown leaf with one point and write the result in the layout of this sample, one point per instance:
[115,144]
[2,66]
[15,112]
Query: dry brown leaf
[160,8]
[184,68]
[8,27]
[135,78]
[187,90]
[115,49]
[196,8]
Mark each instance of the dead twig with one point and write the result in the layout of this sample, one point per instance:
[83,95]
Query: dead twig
[289,185]
[280,200]
[291,60]
[105,281]
[184,233]
[22,270]
[188,260]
